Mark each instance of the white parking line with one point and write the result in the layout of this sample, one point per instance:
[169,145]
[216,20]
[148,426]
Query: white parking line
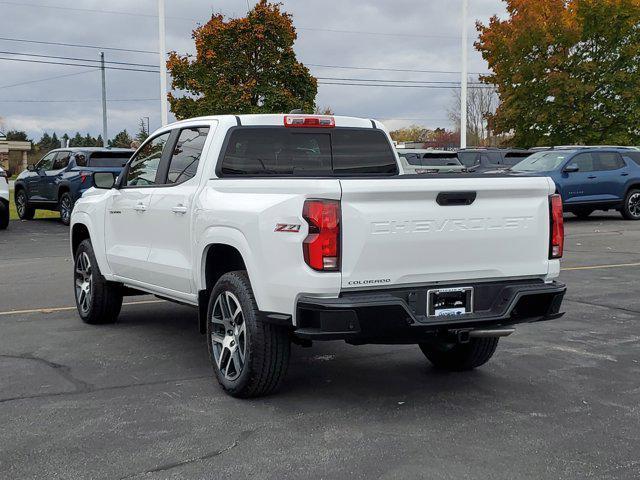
[64,309]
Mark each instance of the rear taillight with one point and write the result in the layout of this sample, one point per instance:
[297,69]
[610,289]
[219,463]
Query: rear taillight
[556,241]
[322,246]
[296,121]
[84,176]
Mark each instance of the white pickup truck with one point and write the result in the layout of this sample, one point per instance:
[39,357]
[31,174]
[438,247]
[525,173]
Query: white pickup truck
[294,228]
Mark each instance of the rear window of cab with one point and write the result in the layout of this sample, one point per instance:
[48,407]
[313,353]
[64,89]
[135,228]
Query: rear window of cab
[280,151]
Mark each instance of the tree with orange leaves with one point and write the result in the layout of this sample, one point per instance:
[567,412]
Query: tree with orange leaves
[566,71]
[242,65]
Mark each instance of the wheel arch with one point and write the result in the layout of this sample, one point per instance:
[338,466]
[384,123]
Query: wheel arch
[63,188]
[634,184]
[217,259]
[79,233]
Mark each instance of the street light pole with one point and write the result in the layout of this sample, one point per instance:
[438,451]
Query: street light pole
[164,113]
[463,79]
[104,102]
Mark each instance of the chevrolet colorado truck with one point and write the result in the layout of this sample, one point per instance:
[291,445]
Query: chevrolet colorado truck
[295,228]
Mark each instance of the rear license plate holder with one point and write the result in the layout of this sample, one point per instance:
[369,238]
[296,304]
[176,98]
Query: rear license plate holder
[449,302]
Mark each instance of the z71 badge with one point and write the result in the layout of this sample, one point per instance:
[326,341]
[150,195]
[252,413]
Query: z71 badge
[286,227]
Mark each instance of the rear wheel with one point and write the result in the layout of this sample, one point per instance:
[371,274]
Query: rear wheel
[25,211]
[97,300]
[65,206]
[458,357]
[250,357]
[4,215]
[631,207]
[583,213]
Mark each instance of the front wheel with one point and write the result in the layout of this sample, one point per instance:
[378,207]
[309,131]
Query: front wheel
[97,300]
[65,206]
[250,357]
[458,357]
[25,211]
[631,207]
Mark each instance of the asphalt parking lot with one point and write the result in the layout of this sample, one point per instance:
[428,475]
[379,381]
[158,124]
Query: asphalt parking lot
[137,399]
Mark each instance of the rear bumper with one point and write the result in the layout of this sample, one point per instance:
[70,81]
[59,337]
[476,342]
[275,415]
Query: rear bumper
[399,315]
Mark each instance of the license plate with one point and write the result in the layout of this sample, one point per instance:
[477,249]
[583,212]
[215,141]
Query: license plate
[449,302]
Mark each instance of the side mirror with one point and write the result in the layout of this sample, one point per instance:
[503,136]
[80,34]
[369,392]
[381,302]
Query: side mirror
[571,168]
[31,168]
[104,180]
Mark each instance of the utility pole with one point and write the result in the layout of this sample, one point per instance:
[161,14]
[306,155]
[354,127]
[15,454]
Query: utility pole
[164,112]
[463,79]
[104,102]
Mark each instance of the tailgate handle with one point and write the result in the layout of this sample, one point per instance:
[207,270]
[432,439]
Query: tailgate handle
[447,199]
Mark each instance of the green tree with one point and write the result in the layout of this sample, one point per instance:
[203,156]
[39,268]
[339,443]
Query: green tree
[412,133]
[77,141]
[143,133]
[121,140]
[17,135]
[242,65]
[566,71]
[99,141]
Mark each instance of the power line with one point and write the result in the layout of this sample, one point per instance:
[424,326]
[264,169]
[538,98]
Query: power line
[150,15]
[47,78]
[74,100]
[397,81]
[391,69]
[88,10]
[74,64]
[76,59]
[382,34]
[76,45]
[394,86]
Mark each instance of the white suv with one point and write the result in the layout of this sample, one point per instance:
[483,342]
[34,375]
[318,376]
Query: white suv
[299,228]
[4,200]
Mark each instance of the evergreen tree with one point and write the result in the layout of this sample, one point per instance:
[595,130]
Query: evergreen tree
[121,140]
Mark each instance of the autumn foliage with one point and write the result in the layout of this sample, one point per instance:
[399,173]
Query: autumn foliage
[242,65]
[566,71]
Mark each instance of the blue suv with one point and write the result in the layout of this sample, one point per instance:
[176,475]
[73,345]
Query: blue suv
[61,177]
[591,178]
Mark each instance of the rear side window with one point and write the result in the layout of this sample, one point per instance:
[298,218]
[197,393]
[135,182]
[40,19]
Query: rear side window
[109,159]
[634,156]
[513,158]
[439,159]
[298,152]
[186,154]
[412,158]
[468,159]
[609,161]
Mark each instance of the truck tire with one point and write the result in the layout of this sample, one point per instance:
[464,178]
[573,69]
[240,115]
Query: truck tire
[4,215]
[631,208]
[65,207]
[249,357]
[460,356]
[97,300]
[25,211]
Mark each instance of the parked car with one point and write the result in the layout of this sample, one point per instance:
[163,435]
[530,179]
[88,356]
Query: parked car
[60,178]
[282,228]
[429,161]
[483,159]
[4,200]
[591,179]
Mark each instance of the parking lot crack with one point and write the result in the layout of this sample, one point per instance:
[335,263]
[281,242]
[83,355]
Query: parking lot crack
[602,305]
[63,370]
[169,466]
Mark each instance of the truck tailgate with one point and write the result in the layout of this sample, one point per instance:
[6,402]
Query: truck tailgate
[394,231]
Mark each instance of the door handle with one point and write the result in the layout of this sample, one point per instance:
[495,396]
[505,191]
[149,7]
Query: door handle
[624,174]
[180,209]
[592,177]
[141,207]
[446,199]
